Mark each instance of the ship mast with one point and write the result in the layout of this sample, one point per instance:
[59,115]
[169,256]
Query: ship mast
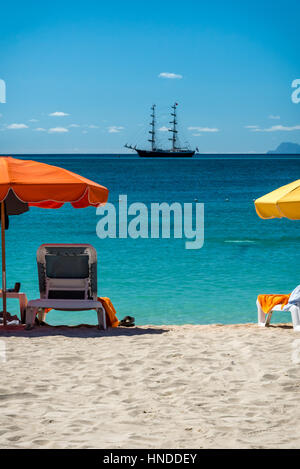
[152,131]
[173,129]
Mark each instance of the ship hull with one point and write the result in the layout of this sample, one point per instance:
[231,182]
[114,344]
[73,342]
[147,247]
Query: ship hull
[165,154]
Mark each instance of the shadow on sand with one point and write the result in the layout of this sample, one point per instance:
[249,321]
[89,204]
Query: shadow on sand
[280,326]
[83,331]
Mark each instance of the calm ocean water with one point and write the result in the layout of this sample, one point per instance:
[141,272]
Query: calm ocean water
[158,281]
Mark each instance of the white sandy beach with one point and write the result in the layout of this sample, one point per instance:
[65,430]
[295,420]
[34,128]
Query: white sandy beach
[151,387]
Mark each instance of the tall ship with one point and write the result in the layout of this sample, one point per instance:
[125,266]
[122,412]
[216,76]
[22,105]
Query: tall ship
[176,151]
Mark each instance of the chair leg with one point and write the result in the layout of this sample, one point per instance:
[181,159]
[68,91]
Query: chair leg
[295,313]
[268,320]
[41,314]
[23,306]
[101,318]
[30,317]
[261,317]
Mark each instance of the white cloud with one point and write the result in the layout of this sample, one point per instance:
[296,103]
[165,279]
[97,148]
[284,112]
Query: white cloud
[92,126]
[58,114]
[251,126]
[196,135]
[172,76]
[163,129]
[74,125]
[113,129]
[278,128]
[33,120]
[273,117]
[17,126]
[58,130]
[84,131]
[204,129]
[39,129]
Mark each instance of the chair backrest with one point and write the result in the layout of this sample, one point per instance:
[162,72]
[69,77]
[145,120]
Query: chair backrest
[67,271]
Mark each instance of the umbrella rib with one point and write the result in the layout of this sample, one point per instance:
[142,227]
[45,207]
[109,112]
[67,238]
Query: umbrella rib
[290,202]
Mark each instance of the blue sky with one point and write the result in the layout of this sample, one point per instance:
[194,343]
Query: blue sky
[99,63]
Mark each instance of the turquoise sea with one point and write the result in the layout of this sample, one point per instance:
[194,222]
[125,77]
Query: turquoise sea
[158,281]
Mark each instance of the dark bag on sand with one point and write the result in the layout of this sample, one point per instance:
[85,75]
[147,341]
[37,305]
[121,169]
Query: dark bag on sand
[128,321]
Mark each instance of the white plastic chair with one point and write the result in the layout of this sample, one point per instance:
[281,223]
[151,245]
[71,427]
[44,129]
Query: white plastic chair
[22,298]
[67,281]
[265,319]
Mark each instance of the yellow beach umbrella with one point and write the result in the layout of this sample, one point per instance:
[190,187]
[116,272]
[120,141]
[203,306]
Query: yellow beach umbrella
[283,202]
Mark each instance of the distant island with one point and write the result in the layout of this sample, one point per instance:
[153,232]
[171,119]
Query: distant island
[286,148]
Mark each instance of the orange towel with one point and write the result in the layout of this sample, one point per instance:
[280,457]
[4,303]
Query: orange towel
[111,314]
[267,302]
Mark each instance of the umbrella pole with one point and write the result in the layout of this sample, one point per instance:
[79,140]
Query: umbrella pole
[3,261]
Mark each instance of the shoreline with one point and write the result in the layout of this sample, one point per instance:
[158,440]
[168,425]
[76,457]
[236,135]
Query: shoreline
[190,386]
[91,330]
[47,326]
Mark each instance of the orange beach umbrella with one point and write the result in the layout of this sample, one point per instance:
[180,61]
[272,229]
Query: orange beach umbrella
[25,183]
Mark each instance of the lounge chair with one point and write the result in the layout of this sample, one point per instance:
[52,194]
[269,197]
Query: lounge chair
[264,319]
[67,281]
